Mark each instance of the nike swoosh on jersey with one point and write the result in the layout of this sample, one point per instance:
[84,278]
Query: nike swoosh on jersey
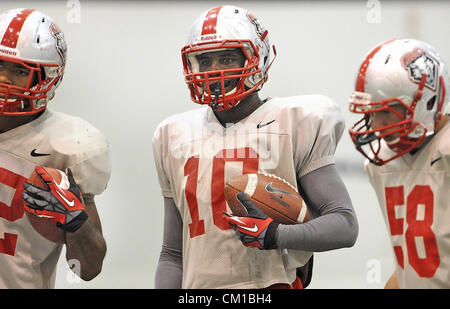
[435,160]
[260,125]
[35,154]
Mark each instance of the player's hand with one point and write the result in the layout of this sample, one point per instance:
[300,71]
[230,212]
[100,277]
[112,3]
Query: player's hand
[64,207]
[256,229]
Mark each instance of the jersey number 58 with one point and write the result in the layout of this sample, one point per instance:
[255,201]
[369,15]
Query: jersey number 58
[419,218]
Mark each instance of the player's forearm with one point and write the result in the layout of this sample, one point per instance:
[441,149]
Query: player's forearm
[334,225]
[88,247]
[329,232]
[169,272]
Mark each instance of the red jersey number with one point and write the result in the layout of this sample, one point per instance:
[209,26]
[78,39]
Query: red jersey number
[11,212]
[247,155]
[419,227]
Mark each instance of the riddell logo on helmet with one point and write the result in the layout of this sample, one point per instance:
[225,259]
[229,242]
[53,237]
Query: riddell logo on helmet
[8,52]
[208,37]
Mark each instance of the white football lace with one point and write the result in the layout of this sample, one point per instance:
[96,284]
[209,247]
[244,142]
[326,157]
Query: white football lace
[276,177]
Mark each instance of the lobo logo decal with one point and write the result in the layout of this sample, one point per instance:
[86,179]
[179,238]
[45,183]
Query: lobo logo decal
[61,46]
[259,28]
[417,63]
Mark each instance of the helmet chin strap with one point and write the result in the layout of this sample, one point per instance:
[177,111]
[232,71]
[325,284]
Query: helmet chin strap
[217,92]
[215,104]
[418,132]
[393,142]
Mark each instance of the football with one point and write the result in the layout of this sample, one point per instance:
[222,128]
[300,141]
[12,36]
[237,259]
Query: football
[276,197]
[43,226]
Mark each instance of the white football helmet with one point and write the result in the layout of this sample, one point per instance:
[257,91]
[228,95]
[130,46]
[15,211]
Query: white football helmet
[221,28]
[400,71]
[33,41]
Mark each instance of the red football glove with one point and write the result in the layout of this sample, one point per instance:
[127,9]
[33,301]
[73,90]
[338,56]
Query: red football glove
[255,230]
[64,207]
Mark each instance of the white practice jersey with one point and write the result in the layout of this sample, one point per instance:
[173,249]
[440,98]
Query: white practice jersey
[195,156]
[28,260]
[413,192]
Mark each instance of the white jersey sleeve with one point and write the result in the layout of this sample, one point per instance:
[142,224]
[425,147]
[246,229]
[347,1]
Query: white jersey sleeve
[82,148]
[60,141]
[316,128]
[444,153]
[160,150]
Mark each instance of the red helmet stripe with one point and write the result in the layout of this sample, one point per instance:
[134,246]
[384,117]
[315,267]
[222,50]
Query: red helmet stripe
[441,104]
[210,22]
[11,35]
[361,78]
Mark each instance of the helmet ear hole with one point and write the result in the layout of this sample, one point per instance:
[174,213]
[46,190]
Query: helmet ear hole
[43,76]
[430,103]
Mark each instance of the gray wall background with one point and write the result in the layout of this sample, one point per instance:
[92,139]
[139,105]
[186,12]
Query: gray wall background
[124,75]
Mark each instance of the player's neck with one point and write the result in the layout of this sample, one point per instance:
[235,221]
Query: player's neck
[247,106]
[11,122]
[442,123]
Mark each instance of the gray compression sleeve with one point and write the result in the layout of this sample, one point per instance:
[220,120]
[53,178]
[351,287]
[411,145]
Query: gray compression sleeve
[334,224]
[169,271]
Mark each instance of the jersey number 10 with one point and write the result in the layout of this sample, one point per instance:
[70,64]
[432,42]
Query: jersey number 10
[246,155]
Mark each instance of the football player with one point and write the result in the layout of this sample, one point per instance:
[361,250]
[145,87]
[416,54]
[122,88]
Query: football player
[402,94]
[32,60]
[225,62]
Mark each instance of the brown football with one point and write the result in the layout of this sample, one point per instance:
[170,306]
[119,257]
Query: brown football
[274,196]
[43,226]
